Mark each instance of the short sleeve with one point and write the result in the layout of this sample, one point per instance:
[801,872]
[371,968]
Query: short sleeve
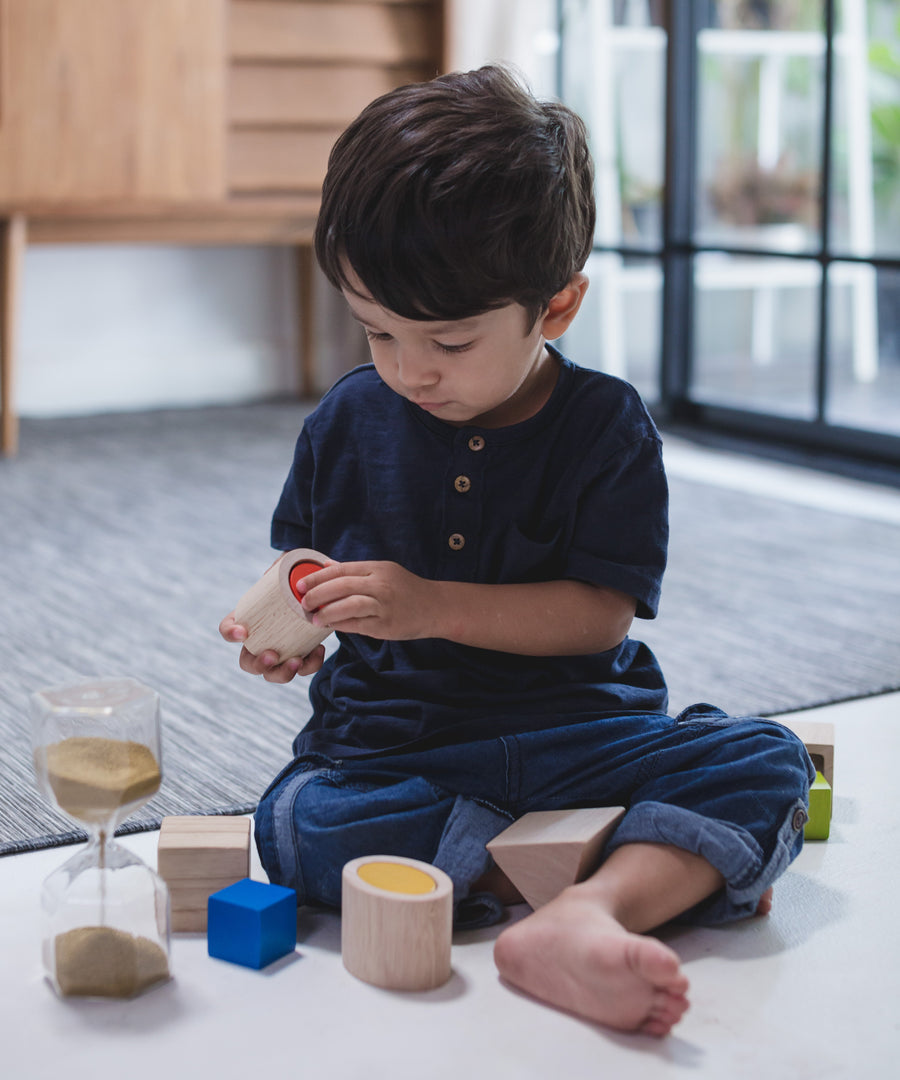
[292,520]
[621,528]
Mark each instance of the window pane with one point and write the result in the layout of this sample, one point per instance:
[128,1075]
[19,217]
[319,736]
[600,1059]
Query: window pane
[864,347]
[759,134]
[755,333]
[865,217]
[614,77]
[618,327]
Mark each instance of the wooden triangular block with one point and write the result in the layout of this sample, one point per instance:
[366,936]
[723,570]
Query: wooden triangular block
[544,852]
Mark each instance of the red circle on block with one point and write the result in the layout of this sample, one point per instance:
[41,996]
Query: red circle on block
[298,572]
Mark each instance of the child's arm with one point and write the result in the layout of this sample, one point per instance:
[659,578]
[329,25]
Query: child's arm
[551,618]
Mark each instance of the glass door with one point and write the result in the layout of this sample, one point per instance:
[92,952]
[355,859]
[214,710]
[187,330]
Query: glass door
[746,271]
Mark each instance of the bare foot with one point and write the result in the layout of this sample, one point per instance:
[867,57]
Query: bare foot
[765,902]
[574,955]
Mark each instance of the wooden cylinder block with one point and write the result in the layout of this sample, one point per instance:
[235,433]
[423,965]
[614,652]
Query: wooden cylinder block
[272,613]
[396,922]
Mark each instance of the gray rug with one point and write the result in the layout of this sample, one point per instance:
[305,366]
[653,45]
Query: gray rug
[124,539]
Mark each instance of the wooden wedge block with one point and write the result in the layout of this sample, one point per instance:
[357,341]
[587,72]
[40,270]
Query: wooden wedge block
[544,852]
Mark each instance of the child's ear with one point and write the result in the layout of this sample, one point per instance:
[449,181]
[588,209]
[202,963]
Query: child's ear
[563,307]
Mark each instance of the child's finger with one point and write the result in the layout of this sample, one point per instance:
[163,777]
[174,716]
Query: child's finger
[335,588]
[283,673]
[312,662]
[317,577]
[231,630]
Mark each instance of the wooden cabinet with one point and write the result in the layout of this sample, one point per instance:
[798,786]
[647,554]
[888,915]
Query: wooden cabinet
[300,72]
[195,121]
[112,99]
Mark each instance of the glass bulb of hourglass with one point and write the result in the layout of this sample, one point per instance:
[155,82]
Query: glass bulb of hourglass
[97,757]
[97,749]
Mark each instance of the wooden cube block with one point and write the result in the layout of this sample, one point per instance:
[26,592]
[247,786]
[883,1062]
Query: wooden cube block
[544,852]
[198,856]
[252,923]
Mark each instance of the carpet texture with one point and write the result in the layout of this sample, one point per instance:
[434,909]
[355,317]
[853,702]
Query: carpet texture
[124,539]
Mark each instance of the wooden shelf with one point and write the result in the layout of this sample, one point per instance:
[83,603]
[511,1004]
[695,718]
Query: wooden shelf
[186,122]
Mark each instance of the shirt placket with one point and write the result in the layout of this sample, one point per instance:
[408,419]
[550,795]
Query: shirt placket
[463,497]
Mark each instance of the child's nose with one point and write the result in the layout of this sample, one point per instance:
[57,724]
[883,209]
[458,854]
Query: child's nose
[415,371]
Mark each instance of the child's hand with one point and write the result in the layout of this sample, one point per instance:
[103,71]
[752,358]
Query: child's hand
[266,664]
[379,599]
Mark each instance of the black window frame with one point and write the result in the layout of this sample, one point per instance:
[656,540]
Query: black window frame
[679,248]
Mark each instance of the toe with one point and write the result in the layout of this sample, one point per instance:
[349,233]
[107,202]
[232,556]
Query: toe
[656,1027]
[765,902]
[657,964]
[664,1014]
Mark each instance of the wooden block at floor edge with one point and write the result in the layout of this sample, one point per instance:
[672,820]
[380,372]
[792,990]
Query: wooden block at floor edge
[546,851]
[818,738]
[197,856]
[204,847]
[396,922]
[188,903]
[819,825]
[252,923]
[184,920]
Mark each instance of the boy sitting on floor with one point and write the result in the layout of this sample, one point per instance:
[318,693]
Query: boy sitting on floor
[498,517]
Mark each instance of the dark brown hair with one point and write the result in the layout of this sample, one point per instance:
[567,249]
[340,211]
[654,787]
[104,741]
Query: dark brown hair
[452,197]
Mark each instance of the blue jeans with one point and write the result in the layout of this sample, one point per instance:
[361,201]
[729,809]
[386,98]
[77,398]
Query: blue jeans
[733,790]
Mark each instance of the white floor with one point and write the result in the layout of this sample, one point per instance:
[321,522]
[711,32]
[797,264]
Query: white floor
[811,991]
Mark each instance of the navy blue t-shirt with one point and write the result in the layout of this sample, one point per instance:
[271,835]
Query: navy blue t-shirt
[577,491]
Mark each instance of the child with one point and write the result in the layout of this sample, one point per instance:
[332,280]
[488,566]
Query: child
[498,518]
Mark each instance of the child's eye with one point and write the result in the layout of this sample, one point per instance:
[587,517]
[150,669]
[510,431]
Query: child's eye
[376,335]
[455,348]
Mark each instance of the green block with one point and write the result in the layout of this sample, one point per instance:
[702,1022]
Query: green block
[819,824]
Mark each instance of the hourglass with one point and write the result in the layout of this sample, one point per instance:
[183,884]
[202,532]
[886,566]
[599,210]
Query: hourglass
[106,914]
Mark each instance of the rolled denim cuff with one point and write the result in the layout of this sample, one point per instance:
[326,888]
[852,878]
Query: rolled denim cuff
[730,849]
[462,855]
[276,838]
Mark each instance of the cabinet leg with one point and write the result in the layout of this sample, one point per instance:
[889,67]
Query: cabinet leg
[306,265]
[12,250]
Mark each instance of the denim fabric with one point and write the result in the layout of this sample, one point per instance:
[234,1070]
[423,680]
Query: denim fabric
[734,790]
[316,817]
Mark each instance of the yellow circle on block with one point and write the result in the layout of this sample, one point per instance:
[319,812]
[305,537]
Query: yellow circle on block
[395,877]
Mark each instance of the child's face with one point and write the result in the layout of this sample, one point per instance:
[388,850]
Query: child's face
[489,370]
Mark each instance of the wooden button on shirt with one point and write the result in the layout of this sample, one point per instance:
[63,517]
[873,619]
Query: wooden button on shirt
[462,484]
[476,443]
[457,541]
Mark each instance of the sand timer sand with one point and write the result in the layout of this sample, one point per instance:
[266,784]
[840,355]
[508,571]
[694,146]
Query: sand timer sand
[106,913]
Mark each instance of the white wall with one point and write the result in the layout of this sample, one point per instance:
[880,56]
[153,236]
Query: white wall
[108,328]
[485,31]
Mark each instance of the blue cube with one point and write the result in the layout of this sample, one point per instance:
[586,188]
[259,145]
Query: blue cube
[252,923]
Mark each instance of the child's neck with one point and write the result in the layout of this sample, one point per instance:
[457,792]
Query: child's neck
[527,401]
